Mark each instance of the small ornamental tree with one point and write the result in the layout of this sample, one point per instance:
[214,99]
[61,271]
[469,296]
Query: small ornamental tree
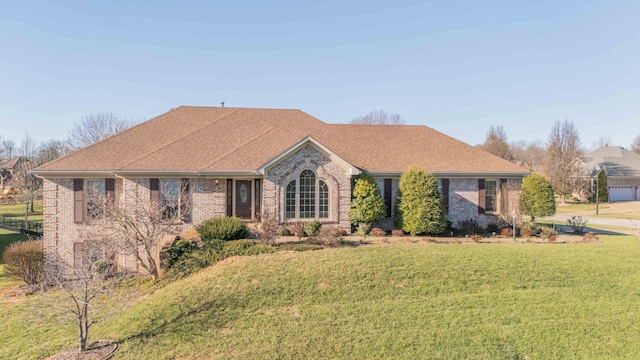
[419,204]
[603,188]
[367,206]
[537,196]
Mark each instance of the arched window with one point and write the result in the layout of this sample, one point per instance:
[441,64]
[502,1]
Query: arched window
[290,201]
[307,197]
[307,194]
[323,197]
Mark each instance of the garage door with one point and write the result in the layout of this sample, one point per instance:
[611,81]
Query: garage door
[622,193]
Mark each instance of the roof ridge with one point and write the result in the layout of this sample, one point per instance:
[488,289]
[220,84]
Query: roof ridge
[178,139]
[271,128]
[238,108]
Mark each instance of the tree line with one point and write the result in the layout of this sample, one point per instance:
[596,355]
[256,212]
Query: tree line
[560,159]
[89,129]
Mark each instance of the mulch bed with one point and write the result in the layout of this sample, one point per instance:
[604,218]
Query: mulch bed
[100,350]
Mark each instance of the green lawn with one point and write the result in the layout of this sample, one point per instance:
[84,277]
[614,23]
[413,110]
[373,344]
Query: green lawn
[563,209]
[17,210]
[412,301]
[6,282]
[6,238]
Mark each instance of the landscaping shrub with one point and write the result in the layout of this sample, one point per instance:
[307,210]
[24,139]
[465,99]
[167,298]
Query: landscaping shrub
[506,232]
[468,227]
[24,260]
[536,198]
[367,206]
[492,228]
[476,237]
[527,232]
[223,228]
[311,228]
[548,233]
[284,231]
[297,229]
[267,229]
[363,230]
[328,236]
[191,262]
[245,248]
[590,238]
[377,232]
[176,251]
[419,204]
[577,223]
[397,232]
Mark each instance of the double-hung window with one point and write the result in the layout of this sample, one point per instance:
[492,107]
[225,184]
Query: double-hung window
[491,195]
[95,197]
[170,198]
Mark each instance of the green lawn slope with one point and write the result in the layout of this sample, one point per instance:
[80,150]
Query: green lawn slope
[411,301]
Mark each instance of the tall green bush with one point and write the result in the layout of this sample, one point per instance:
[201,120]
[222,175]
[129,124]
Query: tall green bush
[222,228]
[603,188]
[367,206]
[537,196]
[419,203]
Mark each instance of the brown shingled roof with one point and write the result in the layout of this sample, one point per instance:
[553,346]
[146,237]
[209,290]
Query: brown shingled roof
[211,139]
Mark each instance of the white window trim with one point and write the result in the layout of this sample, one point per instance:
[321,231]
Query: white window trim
[497,194]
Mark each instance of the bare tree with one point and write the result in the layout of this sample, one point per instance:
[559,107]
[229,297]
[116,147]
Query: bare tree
[26,183]
[89,284]
[378,117]
[7,149]
[563,158]
[28,147]
[51,150]
[139,226]
[635,145]
[602,142]
[530,155]
[496,143]
[95,127]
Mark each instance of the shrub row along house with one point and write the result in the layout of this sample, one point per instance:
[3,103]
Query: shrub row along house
[250,162]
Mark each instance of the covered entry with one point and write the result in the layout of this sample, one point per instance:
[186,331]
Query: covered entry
[243,198]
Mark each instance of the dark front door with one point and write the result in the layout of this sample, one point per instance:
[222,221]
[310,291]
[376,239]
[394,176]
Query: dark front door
[243,199]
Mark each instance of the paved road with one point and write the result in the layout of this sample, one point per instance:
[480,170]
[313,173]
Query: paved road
[632,225]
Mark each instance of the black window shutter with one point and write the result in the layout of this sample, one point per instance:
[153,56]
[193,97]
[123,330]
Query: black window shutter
[445,195]
[229,197]
[185,200]
[387,195]
[154,187]
[481,197]
[78,201]
[110,189]
[258,197]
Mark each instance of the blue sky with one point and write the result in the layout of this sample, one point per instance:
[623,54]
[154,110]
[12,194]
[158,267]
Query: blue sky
[456,66]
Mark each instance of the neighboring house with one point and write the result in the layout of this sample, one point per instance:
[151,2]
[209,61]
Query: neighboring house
[247,162]
[7,169]
[622,168]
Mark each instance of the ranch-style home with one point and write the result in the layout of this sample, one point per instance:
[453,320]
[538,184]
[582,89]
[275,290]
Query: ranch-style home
[246,162]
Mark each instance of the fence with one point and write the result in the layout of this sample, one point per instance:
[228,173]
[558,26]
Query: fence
[31,227]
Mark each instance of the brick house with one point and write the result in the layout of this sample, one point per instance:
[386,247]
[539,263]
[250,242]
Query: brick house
[246,162]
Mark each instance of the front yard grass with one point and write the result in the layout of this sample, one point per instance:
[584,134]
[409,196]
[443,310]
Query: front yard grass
[6,238]
[422,300]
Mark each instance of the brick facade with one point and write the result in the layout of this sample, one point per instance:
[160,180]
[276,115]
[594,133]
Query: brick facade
[335,176]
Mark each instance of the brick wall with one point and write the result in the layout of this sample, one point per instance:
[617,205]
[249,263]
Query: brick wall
[336,177]
[463,200]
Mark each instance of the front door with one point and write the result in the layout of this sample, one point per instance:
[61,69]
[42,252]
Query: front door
[243,199]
